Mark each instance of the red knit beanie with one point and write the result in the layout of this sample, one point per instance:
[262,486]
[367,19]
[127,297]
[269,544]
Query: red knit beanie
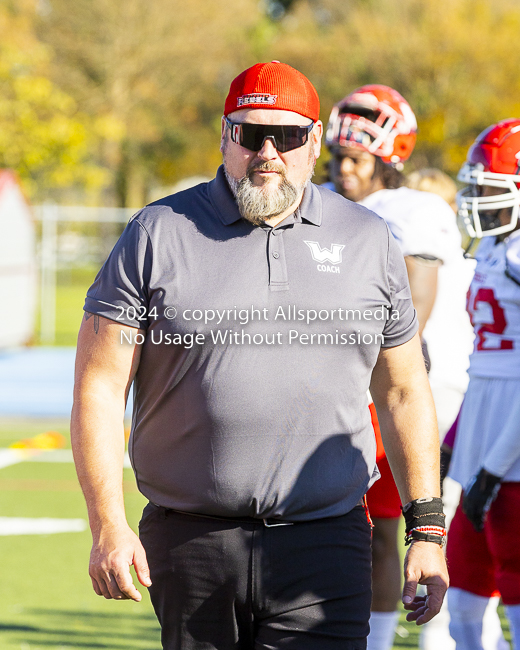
[273,85]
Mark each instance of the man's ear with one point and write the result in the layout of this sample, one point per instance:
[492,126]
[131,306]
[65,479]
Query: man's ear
[317,135]
[223,127]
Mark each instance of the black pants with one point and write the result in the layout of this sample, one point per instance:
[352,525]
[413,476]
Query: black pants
[230,585]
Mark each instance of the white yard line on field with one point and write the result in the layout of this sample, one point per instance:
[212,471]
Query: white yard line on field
[40,526]
[11,456]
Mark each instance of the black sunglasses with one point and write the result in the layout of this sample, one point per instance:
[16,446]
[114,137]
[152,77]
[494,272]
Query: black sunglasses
[284,137]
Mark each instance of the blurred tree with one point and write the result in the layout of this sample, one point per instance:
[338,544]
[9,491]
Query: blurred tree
[161,69]
[276,9]
[455,61]
[150,78]
[42,136]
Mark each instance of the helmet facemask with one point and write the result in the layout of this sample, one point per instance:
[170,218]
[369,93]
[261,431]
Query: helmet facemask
[480,214]
[376,119]
[364,128]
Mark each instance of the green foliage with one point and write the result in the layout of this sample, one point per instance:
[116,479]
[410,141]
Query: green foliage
[161,70]
[42,136]
[454,60]
[129,93]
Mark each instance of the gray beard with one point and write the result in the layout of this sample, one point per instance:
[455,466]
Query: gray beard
[255,204]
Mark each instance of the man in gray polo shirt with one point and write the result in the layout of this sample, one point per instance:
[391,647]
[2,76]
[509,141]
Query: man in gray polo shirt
[253,313]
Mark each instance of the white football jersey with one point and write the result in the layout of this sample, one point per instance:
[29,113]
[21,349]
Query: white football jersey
[494,307]
[424,224]
[489,431]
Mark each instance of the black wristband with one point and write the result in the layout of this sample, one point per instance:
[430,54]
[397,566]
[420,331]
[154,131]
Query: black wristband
[427,511]
[421,536]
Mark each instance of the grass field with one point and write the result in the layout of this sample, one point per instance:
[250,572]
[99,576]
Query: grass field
[46,598]
[70,296]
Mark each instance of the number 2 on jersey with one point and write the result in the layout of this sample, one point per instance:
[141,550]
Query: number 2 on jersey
[497,326]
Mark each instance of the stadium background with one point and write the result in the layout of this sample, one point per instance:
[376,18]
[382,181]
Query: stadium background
[111,104]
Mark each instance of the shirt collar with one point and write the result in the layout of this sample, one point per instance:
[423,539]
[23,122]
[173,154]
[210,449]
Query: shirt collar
[310,209]
[222,199]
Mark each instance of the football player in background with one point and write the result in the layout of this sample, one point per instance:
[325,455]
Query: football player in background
[371,132]
[483,547]
[437,182]
[435,634]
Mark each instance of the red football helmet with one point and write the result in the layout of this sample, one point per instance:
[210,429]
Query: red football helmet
[376,119]
[493,160]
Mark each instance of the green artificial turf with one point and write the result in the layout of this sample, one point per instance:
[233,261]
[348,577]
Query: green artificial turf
[46,597]
[69,312]
[71,289]
[13,429]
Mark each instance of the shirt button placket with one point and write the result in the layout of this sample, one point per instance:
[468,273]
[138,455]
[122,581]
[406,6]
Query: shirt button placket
[277,264]
[274,245]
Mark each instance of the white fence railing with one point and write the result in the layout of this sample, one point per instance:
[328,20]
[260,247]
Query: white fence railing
[50,216]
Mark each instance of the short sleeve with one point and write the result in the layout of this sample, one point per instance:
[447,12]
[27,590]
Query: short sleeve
[120,290]
[430,230]
[402,323]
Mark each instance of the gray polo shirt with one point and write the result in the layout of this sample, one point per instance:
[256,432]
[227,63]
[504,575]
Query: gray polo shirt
[258,345]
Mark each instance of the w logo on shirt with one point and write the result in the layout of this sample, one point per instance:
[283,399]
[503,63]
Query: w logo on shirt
[333,254]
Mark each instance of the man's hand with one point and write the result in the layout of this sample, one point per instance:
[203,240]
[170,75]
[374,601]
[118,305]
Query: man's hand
[105,370]
[113,552]
[478,496]
[424,564]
